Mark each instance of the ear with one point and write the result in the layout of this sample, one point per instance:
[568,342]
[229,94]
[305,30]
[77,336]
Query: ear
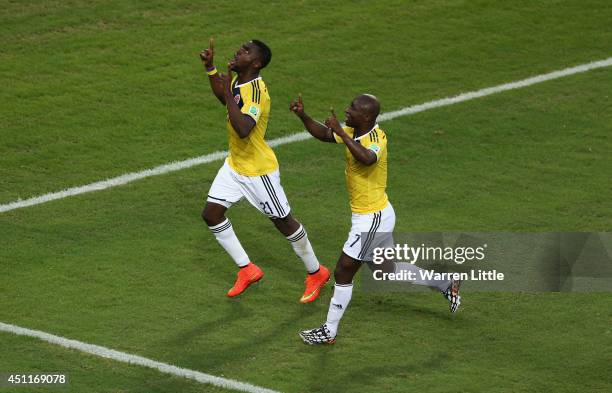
[257,64]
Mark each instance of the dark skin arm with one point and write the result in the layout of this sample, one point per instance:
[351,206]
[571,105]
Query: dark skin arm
[361,153]
[216,82]
[243,124]
[316,129]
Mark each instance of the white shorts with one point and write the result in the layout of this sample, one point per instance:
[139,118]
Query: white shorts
[264,192]
[369,231]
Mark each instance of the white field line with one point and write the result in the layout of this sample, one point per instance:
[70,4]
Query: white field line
[300,136]
[137,360]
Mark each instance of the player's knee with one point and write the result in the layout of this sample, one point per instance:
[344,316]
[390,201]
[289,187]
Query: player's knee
[286,225]
[341,275]
[210,217]
[286,222]
[337,273]
[205,216]
[289,220]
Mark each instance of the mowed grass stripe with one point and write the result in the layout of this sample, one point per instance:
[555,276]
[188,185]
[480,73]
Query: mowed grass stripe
[499,164]
[134,359]
[219,155]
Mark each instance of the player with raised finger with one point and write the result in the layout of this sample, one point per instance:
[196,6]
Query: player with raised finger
[251,170]
[373,217]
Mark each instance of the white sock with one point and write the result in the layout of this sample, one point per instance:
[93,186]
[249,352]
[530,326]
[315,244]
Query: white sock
[301,245]
[442,285]
[337,305]
[225,235]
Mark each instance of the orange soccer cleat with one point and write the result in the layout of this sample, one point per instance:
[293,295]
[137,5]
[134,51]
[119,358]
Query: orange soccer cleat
[314,283]
[245,277]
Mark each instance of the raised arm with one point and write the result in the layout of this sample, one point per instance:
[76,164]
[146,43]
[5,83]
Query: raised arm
[316,129]
[216,83]
[361,153]
[243,124]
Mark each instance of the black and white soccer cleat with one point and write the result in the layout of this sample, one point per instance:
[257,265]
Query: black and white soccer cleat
[452,295]
[316,336]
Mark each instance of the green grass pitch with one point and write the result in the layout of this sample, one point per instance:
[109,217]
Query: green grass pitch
[91,90]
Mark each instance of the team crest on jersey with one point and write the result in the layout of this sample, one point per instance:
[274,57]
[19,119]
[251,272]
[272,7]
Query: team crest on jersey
[253,110]
[237,99]
[375,148]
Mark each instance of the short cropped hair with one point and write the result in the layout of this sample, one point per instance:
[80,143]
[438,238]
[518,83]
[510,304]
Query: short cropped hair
[264,51]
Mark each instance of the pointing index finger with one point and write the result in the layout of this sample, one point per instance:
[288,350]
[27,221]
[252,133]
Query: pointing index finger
[211,45]
[300,98]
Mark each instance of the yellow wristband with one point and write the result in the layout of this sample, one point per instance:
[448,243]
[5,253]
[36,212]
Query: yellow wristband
[212,72]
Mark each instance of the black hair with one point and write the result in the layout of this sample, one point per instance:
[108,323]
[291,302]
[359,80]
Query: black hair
[264,52]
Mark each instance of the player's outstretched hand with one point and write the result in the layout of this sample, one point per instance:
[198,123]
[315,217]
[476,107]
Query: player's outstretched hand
[333,123]
[297,106]
[207,55]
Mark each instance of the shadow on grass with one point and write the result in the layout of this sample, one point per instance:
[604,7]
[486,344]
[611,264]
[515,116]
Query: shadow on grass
[237,313]
[235,352]
[373,378]
[411,304]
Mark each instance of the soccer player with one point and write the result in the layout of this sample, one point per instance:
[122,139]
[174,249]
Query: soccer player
[373,218]
[251,169]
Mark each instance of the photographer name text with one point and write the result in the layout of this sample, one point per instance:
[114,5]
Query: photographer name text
[471,275]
